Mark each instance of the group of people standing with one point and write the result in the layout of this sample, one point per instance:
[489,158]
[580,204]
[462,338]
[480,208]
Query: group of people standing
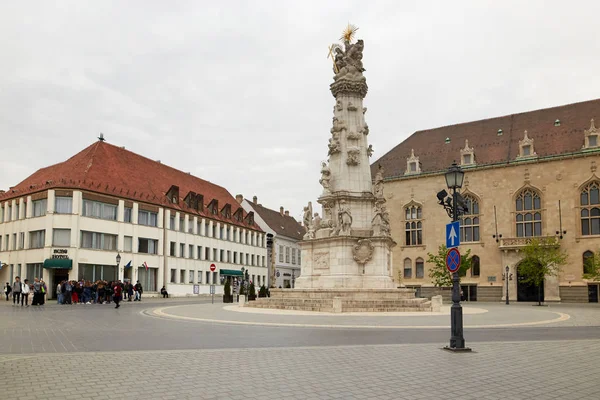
[21,290]
[99,292]
[74,292]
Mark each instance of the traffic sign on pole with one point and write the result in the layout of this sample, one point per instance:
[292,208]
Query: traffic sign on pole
[453,234]
[213,267]
[453,260]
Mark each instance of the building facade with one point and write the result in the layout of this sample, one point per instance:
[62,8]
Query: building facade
[527,175]
[72,219]
[287,233]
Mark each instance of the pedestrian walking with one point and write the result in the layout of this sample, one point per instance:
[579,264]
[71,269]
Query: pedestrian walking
[117,292]
[59,293]
[7,290]
[16,290]
[37,293]
[138,290]
[25,293]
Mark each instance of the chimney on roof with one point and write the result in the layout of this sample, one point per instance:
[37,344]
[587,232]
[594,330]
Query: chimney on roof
[255,200]
[239,198]
[101,137]
[281,211]
[287,213]
[158,161]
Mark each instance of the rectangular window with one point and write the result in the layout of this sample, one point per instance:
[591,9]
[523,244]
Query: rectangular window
[182,224]
[63,205]
[235,257]
[17,213]
[14,244]
[22,240]
[91,272]
[147,246]
[172,222]
[199,276]
[214,230]
[33,271]
[287,254]
[207,253]
[207,277]
[127,214]
[199,252]
[147,278]
[172,249]
[181,250]
[128,244]
[228,256]
[191,251]
[182,276]
[199,227]
[221,255]
[6,242]
[214,256]
[61,237]
[97,240]
[592,141]
[221,230]
[253,259]
[9,214]
[294,256]
[526,150]
[214,276]
[173,275]
[228,233]
[280,253]
[97,209]
[420,268]
[191,277]
[1,214]
[147,218]
[0,242]
[467,159]
[40,207]
[37,239]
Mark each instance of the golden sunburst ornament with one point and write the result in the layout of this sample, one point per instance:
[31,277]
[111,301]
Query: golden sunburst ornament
[349,33]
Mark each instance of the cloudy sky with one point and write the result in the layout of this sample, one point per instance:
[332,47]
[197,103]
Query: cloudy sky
[237,92]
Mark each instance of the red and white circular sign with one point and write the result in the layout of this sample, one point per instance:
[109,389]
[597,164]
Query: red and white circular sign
[213,267]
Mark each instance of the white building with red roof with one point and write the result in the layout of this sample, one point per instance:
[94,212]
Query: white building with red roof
[72,219]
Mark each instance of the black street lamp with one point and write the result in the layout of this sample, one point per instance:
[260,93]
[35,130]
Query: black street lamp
[507,277]
[118,262]
[455,206]
[293,278]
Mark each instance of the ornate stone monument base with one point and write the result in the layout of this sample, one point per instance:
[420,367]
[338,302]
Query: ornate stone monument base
[344,300]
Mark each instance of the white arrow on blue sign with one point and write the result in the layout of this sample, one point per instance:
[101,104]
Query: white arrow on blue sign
[453,234]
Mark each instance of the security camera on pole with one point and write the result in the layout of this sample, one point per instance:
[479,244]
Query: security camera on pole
[454,206]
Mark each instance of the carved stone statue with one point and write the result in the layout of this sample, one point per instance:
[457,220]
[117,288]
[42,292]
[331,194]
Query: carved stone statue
[344,219]
[327,222]
[353,156]
[381,219]
[307,216]
[325,177]
[334,146]
[338,105]
[317,222]
[338,126]
[348,62]
[351,107]
[378,187]
[370,150]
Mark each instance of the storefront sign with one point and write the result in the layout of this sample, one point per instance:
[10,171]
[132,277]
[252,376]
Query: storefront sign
[60,254]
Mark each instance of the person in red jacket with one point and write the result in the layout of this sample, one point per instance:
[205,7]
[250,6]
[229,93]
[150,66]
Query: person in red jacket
[117,292]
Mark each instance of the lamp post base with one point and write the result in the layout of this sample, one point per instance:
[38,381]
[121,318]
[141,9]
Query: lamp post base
[457,349]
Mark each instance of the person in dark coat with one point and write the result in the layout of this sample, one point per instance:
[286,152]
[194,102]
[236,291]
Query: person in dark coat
[117,292]
[7,290]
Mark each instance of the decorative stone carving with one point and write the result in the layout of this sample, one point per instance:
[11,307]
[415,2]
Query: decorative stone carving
[317,222]
[413,165]
[378,187]
[325,177]
[307,215]
[593,166]
[328,221]
[351,107]
[338,105]
[467,154]
[526,176]
[364,110]
[321,260]
[338,126]
[363,251]
[344,220]
[370,150]
[353,156]
[364,130]
[353,135]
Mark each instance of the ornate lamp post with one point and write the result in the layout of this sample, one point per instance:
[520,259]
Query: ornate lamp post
[118,261]
[454,206]
[507,277]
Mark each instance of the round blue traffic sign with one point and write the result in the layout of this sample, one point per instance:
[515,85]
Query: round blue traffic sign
[453,260]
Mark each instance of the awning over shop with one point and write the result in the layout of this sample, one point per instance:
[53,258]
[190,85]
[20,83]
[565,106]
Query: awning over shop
[230,272]
[58,263]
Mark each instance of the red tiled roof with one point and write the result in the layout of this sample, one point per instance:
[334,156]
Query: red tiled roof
[283,225]
[489,148]
[108,169]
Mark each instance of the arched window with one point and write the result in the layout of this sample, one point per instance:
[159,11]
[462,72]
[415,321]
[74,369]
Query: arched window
[588,259]
[469,225]
[475,266]
[407,268]
[590,209]
[528,214]
[420,268]
[414,225]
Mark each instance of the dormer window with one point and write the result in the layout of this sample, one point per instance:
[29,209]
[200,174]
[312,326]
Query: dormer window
[413,166]
[467,155]
[591,136]
[526,148]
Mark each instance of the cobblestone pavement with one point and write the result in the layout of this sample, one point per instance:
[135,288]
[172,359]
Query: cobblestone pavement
[514,370]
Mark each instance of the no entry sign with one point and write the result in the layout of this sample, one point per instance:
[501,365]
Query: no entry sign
[213,267]
[453,260]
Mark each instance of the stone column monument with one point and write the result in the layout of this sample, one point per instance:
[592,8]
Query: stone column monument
[347,251]
[350,245]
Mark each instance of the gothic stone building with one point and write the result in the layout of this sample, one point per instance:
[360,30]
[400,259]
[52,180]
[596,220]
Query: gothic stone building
[532,174]
[71,219]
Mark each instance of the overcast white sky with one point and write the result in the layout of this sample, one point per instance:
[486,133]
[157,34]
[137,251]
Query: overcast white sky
[237,92]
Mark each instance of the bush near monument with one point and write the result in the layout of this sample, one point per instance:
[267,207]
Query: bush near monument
[262,292]
[439,274]
[227,297]
[252,292]
[542,257]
